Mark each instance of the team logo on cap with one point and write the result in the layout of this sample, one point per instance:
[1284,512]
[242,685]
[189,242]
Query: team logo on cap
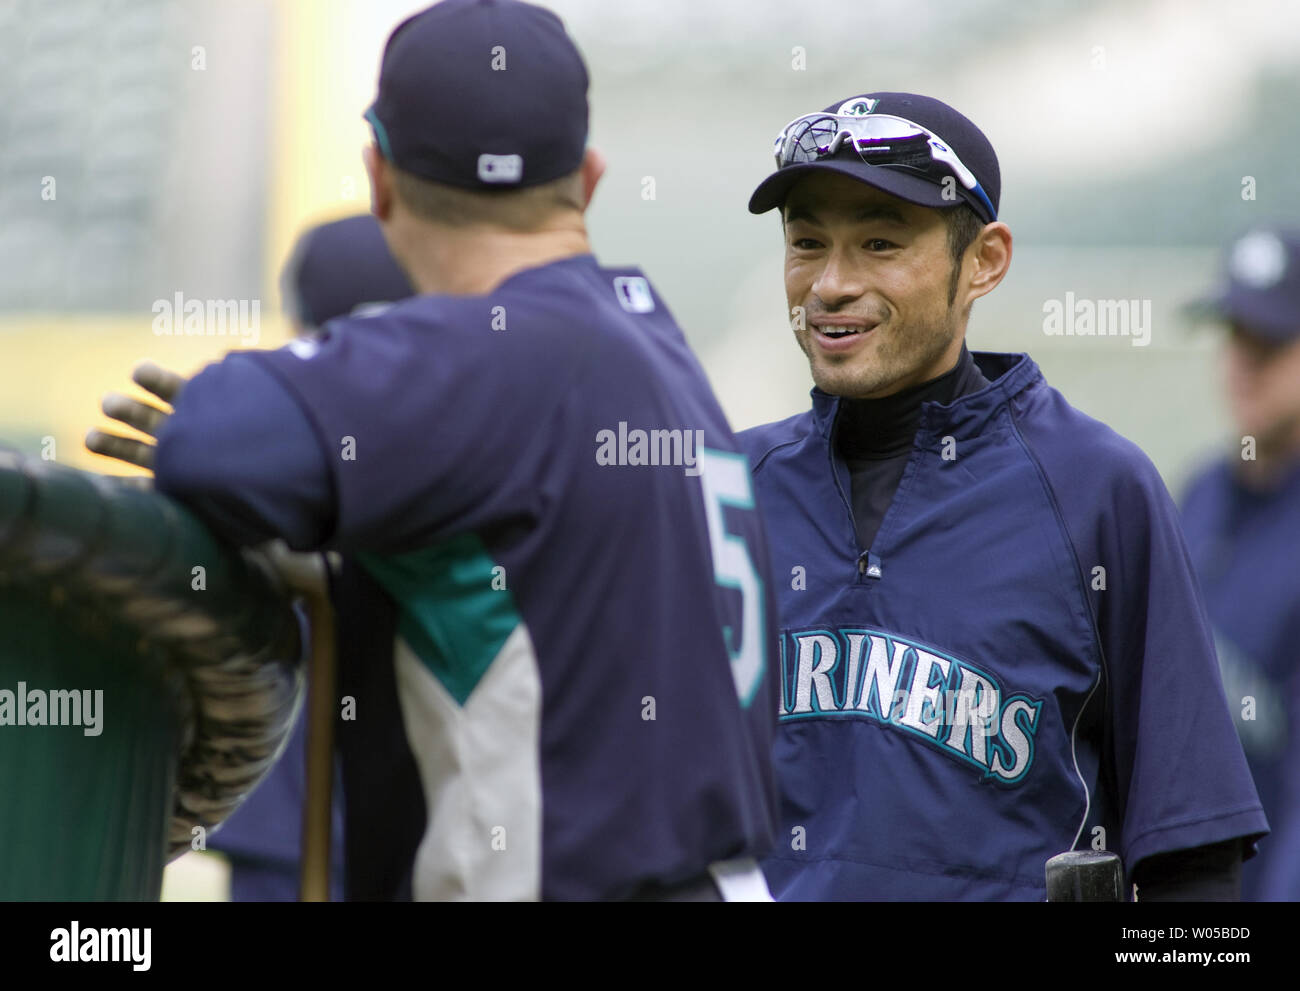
[859,106]
[1258,259]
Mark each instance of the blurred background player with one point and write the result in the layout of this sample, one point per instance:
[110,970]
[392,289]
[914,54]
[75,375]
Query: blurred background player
[336,269]
[1241,515]
[339,269]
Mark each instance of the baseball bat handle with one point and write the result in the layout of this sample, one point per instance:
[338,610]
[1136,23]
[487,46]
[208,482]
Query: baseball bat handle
[316,846]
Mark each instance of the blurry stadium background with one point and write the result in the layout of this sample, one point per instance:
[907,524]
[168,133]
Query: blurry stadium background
[189,142]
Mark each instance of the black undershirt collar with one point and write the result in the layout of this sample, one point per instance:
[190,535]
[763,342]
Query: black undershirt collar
[875,438]
[875,429]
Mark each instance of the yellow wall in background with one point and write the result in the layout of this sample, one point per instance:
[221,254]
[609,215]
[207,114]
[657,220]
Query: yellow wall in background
[322,83]
[54,369]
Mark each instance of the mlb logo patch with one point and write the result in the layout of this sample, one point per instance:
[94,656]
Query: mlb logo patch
[634,294]
[500,168]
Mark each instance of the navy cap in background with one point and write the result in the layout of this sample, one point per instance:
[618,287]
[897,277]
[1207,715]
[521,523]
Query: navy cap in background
[482,94]
[336,268]
[965,139]
[1260,285]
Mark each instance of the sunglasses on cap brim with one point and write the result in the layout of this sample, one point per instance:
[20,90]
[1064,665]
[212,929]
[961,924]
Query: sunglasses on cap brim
[879,140]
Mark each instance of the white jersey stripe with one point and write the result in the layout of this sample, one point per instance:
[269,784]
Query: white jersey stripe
[480,770]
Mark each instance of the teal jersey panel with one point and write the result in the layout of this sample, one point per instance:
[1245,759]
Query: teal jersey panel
[455,609]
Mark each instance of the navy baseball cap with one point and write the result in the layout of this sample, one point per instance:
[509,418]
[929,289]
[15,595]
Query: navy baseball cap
[965,140]
[482,94]
[337,267]
[1260,287]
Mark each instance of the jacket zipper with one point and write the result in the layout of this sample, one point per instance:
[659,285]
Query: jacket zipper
[869,567]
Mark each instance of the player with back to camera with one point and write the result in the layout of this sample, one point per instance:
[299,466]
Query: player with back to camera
[556,638]
[993,649]
[1242,518]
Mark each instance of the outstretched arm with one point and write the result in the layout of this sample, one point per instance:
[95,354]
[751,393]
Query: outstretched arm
[237,449]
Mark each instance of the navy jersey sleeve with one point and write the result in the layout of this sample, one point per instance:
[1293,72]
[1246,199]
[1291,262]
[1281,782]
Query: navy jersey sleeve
[1177,765]
[1179,762]
[240,452]
[432,423]
[386,433]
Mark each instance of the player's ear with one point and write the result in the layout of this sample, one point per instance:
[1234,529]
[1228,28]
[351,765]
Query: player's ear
[381,183]
[593,167]
[989,257]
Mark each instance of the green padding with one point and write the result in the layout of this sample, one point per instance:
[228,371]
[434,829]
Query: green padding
[83,818]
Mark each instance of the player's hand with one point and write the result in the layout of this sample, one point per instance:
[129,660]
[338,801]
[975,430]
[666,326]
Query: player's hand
[146,418]
[304,573]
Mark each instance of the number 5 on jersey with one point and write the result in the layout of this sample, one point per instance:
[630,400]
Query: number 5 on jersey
[725,478]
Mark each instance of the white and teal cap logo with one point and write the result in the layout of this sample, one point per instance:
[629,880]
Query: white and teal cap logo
[858,106]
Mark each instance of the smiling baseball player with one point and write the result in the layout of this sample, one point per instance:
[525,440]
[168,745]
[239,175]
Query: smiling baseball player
[992,646]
